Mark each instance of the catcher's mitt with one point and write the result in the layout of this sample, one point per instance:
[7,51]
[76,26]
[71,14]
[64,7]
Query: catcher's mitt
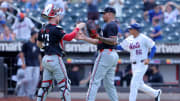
[92,28]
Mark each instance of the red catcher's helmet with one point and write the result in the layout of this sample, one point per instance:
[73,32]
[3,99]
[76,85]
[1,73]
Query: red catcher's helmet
[51,11]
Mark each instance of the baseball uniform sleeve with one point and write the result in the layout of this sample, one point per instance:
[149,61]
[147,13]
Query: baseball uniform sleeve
[112,30]
[59,33]
[70,36]
[125,44]
[30,23]
[149,42]
[14,26]
[176,12]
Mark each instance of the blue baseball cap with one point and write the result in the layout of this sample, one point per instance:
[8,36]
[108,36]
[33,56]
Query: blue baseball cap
[135,26]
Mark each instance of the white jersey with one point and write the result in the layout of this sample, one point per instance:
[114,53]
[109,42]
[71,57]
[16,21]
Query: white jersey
[170,18]
[23,29]
[138,47]
[118,7]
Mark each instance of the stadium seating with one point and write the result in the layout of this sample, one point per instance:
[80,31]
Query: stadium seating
[131,10]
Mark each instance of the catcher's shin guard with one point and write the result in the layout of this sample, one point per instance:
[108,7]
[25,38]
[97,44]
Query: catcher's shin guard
[64,86]
[46,87]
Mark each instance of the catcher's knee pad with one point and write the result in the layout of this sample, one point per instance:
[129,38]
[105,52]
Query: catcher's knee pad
[44,90]
[64,86]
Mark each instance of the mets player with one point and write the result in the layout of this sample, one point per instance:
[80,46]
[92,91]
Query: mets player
[51,38]
[138,45]
[107,59]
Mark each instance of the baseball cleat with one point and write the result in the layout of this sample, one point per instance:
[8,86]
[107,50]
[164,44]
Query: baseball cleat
[158,96]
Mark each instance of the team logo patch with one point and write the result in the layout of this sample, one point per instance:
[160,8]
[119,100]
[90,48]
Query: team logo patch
[137,45]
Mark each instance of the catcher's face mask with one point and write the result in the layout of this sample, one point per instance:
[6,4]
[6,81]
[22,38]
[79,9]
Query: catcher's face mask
[50,11]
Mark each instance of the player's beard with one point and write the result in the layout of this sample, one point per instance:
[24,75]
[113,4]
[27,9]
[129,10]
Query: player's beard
[35,40]
[104,19]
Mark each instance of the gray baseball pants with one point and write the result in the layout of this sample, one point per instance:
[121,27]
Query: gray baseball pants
[54,68]
[104,69]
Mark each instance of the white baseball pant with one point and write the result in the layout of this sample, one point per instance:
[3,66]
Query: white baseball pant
[137,83]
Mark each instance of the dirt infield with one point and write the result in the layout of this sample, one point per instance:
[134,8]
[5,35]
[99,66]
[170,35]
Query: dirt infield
[55,99]
[80,96]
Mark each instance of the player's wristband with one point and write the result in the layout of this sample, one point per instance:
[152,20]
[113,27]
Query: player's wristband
[118,47]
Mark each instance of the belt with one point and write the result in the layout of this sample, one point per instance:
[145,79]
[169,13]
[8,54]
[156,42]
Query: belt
[53,54]
[101,50]
[135,62]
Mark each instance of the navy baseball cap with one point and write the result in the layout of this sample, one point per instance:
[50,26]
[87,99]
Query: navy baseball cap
[135,26]
[108,9]
[33,32]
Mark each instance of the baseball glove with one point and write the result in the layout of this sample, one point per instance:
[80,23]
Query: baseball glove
[92,28]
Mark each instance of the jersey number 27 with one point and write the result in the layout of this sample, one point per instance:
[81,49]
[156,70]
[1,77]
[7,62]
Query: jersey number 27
[46,39]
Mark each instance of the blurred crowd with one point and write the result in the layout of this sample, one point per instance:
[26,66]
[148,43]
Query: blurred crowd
[21,27]
[153,14]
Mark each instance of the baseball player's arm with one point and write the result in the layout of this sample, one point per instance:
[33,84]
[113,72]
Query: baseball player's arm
[124,45]
[39,44]
[174,4]
[21,55]
[70,36]
[151,55]
[91,40]
[112,31]
[119,47]
[153,51]
[164,7]
[40,61]
[82,36]
[111,40]
[149,43]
